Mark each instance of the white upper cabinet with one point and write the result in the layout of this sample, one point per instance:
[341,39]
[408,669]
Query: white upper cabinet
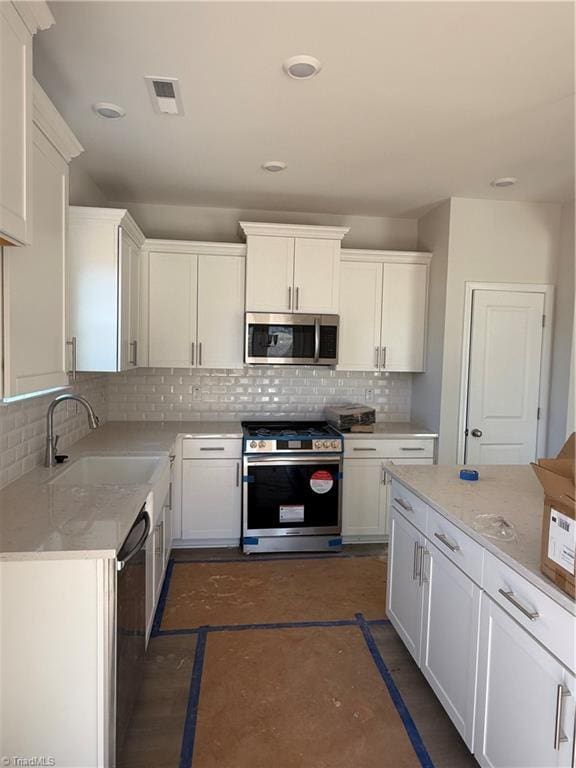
[34,275]
[292,268]
[104,289]
[195,304]
[18,23]
[383,311]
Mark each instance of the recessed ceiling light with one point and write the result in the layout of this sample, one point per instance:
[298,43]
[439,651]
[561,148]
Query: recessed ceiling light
[302,67]
[108,111]
[274,166]
[505,181]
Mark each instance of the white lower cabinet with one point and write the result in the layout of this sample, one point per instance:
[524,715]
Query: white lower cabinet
[526,699]
[449,650]
[211,500]
[364,498]
[405,596]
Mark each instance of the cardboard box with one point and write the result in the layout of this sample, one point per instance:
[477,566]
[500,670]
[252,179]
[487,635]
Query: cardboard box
[558,556]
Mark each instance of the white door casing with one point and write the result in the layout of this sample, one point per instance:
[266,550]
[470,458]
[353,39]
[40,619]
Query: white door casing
[504,376]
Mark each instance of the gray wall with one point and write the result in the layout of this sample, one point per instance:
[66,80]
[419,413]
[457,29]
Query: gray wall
[563,335]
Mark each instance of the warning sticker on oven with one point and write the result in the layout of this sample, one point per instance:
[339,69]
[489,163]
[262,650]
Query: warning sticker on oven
[321,481]
[562,540]
[292,513]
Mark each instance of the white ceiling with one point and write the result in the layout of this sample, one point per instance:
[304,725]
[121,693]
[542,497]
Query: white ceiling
[416,102]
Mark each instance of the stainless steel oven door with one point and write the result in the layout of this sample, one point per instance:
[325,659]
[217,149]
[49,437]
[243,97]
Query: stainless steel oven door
[291,339]
[292,496]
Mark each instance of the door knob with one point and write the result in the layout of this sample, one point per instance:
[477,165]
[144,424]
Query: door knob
[476,433]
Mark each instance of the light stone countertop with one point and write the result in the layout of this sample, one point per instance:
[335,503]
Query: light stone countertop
[39,520]
[391,429]
[511,491]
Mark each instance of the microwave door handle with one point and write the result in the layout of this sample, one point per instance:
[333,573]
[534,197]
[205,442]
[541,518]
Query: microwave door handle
[316,339]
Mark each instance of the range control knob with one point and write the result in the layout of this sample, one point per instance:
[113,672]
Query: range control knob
[317,444]
[253,444]
[335,444]
[261,444]
[325,444]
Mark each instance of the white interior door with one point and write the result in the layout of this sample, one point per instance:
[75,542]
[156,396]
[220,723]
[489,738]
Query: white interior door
[504,377]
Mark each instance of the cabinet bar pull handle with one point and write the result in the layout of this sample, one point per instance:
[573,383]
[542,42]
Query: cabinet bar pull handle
[404,504]
[238,474]
[415,562]
[411,449]
[364,449]
[383,475]
[376,358]
[134,360]
[509,595]
[72,371]
[289,297]
[559,737]
[423,578]
[220,448]
[383,357]
[444,539]
[200,353]
[297,297]
[193,353]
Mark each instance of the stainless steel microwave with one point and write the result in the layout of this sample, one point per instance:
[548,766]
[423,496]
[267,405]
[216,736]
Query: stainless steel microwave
[291,339]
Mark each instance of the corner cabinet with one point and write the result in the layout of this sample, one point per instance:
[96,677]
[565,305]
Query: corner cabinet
[383,311]
[34,275]
[104,289]
[292,268]
[193,304]
[18,24]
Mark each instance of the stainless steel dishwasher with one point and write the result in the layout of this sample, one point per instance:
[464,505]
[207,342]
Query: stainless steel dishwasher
[130,622]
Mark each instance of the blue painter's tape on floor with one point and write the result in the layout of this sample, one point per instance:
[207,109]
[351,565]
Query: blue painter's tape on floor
[189,733]
[401,708]
[162,600]
[243,627]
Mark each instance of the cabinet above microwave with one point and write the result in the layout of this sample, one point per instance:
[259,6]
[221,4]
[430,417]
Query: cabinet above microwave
[292,268]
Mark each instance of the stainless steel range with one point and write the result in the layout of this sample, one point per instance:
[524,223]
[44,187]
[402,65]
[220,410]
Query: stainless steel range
[292,487]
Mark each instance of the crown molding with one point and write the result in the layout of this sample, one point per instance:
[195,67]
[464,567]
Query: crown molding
[53,126]
[194,246]
[35,14]
[250,228]
[399,257]
[118,216]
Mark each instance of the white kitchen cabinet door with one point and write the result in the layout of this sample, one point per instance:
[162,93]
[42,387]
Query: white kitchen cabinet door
[211,499]
[404,311]
[404,592]
[449,638]
[270,274]
[364,498]
[34,314]
[129,301]
[316,275]
[172,310]
[360,315]
[157,536]
[15,127]
[520,709]
[220,311]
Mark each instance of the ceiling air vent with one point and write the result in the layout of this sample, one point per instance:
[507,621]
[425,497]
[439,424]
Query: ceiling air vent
[165,95]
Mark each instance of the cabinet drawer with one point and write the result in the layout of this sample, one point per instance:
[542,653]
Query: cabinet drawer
[539,614]
[456,545]
[408,504]
[211,448]
[365,447]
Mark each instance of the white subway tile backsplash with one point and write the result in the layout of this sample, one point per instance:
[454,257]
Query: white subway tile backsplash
[23,426]
[251,393]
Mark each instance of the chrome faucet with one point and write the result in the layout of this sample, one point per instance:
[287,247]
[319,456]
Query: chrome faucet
[51,439]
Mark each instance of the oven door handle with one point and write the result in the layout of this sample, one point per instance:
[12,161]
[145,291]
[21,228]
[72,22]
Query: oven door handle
[316,339]
[144,514]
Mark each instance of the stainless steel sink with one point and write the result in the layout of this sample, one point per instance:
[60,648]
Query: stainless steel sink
[112,470]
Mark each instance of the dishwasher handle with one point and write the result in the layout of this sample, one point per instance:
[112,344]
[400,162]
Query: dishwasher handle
[124,558]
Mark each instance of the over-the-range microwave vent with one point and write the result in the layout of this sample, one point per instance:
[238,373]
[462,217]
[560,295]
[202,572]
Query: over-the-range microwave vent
[165,95]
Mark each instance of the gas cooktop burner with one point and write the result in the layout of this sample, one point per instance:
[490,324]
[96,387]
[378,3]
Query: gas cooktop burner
[275,437]
[281,430]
